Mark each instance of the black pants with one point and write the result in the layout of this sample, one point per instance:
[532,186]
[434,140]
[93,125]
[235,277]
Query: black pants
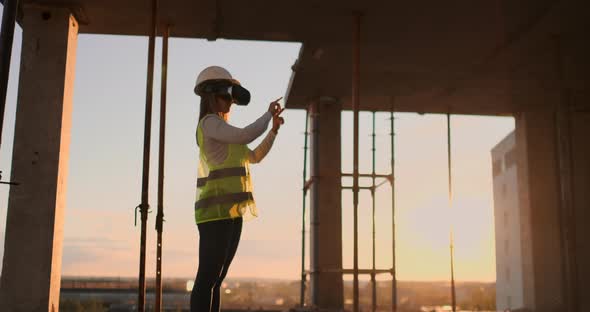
[218,243]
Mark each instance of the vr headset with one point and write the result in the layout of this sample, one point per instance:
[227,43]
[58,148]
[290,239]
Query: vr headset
[225,88]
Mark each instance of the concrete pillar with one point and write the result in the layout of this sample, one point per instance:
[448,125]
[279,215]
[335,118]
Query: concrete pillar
[572,66]
[580,129]
[34,229]
[326,206]
[554,201]
[539,197]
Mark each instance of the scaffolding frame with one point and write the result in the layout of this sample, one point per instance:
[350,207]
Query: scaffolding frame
[355,271]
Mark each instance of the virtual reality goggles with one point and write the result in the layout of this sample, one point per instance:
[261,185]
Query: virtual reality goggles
[226,88]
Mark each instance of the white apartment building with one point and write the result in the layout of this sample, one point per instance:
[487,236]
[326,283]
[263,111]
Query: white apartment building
[509,274]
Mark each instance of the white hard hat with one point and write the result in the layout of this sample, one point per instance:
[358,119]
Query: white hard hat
[216,75]
[213,73]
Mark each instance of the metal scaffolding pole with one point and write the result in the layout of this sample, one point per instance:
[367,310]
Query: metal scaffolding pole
[305,188]
[393,271]
[356,55]
[373,281]
[315,199]
[453,294]
[144,206]
[162,149]
[6,39]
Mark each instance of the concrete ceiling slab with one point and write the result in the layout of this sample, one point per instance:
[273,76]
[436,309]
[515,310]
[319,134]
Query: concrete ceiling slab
[422,55]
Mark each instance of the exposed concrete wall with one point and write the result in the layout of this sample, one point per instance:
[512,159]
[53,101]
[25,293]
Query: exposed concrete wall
[326,207]
[34,229]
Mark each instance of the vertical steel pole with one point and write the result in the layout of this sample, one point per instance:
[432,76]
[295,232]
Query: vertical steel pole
[451,246]
[6,39]
[373,281]
[303,204]
[162,149]
[315,200]
[144,206]
[356,57]
[393,269]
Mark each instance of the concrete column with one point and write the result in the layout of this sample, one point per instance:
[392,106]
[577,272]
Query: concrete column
[554,229]
[326,207]
[34,229]
[571,65]
[539,197]
[580,129]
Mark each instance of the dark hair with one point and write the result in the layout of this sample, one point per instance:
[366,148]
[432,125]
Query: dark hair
[205,108]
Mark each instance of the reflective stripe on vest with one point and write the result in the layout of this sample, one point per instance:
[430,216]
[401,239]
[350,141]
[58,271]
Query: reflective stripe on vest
[222,173]
[223,199]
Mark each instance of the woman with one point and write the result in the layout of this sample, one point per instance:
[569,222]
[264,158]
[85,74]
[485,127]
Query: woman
[224,188]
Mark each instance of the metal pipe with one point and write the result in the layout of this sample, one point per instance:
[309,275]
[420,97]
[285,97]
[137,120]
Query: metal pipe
[360,271]
[393,271]
[373,281]
[6,39]
[303,204]
[161,158]
[453,294]
[315,198]
[144,206]
[356,56]
[351,271]
[368,175]
[360,188]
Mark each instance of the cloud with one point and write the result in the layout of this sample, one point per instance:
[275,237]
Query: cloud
[91,255]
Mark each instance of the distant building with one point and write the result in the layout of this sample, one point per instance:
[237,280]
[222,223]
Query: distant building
[509,264]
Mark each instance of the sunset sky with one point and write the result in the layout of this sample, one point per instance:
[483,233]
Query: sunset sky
[106,158]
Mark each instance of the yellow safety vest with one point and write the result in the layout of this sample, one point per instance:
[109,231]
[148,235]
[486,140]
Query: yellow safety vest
[224,191]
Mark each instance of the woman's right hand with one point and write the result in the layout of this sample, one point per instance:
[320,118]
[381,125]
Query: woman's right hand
[275,107]
[277,122]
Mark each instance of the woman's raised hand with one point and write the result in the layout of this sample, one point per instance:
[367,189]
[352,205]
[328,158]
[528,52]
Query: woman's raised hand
[276,111]
[275,107]
[277,121]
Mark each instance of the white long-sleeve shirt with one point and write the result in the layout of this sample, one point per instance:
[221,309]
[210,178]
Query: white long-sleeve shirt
[218,134]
